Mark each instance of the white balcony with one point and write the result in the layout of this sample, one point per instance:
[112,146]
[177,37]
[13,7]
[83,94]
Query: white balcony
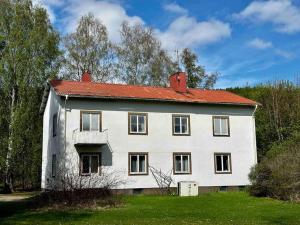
[89,137]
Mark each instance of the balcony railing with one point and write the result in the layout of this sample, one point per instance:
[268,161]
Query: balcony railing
[90,137]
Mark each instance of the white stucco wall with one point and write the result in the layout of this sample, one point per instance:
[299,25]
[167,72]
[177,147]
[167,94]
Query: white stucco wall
[51,145]
[160,143]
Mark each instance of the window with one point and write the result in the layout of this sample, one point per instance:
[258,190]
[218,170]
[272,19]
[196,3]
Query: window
[138,163]
[222,163]
[221,126]
[138,123]
[54,125]
[53,169]
[90,121]
[181,125]
[90,163]
[182,163]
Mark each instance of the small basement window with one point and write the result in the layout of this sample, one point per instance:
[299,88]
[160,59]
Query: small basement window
[222,163]
[138,163]
[182,163]
[89,163]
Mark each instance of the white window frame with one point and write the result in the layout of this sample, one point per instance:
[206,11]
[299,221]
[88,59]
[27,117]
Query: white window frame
[187,117]
[138,163]
[137,123]
[90,155]
[222,163]
[220,118]
[181,160]
[99,115]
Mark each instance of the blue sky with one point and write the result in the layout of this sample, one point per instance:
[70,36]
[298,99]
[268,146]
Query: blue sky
[247,42]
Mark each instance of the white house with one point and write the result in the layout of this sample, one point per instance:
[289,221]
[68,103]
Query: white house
[206,136]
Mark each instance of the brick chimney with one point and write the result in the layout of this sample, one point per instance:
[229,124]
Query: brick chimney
[86,76]
[178,81]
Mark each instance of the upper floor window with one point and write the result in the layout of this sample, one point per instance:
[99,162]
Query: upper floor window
[138,163]
[181,125]
[54,125]
[221,126]
[137,123]
[182,163]
[90,121]
[222,163]
[89,163]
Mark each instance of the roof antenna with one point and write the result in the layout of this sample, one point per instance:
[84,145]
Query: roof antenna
[178,60]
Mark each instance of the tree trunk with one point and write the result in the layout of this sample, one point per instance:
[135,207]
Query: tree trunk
[8,186]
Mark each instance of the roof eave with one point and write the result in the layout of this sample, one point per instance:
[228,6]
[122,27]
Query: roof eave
[157,100]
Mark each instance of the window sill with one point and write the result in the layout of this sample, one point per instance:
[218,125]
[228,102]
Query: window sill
[221,135]
[229,172]
[184,173]
[138,174]
[138,133]
[174,134]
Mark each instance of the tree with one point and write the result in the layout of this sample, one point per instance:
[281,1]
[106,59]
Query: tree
[141,59]
[88,48]
[28,58]
[197,77]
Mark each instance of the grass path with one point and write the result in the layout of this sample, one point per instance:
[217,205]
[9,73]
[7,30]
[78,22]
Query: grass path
[213,208]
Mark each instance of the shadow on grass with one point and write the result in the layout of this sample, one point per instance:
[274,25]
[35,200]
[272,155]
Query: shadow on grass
[30,209]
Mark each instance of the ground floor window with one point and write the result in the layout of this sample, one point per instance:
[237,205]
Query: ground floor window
[182,163]
[138,163]
[89,163]
[222,163]
[53,169]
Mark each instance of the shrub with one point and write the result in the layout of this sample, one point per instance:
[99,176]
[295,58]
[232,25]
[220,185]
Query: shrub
[278,175]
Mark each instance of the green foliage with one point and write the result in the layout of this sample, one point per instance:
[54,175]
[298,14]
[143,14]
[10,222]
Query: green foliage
[28,59]
[208,209]
[197,77]
[278,175]
[141,60]
[88,48]
[278,117]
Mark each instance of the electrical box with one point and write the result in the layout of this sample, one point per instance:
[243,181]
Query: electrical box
[187,188]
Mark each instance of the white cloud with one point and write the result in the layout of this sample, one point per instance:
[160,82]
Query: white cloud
[285,54]
[175,8]
[281,13]
[47,6]
[186,31]
[111,14]
[260,44]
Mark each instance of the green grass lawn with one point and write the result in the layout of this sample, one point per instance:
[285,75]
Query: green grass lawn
[213,208]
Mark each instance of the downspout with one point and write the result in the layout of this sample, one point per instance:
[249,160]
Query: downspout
[65,135]
[254,134]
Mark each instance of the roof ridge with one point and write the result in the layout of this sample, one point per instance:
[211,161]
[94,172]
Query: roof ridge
[137,85]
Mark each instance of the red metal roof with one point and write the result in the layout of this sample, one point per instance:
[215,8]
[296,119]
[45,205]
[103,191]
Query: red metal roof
[122,91]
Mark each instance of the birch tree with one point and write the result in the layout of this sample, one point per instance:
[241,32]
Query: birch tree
[28,58]
[141,60]
[88,48]
[197,76]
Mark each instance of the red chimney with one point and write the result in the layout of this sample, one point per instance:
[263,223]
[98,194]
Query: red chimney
[86,76]
[178,82]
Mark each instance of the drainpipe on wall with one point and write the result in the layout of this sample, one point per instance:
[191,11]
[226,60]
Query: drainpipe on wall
[254,134]
[65,135]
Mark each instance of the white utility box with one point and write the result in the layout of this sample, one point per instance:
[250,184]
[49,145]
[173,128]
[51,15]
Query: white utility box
[187,188]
